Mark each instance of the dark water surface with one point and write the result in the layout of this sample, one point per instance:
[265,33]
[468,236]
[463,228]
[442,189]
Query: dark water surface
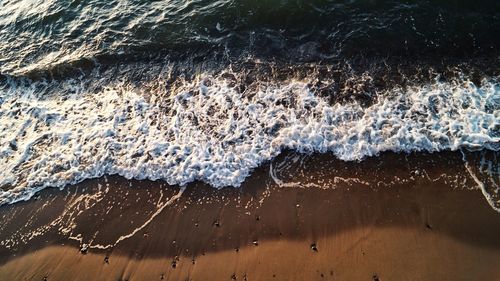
[43,34]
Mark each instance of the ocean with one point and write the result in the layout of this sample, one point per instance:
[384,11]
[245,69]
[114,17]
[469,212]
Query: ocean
[209,91]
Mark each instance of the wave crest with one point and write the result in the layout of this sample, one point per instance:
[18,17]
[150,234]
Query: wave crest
[217,129]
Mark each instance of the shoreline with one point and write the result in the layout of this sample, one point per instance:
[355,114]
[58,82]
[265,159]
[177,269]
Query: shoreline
[297,218]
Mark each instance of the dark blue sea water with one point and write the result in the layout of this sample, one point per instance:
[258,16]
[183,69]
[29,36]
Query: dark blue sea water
[47,35]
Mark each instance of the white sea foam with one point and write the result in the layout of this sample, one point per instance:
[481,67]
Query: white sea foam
[210,131]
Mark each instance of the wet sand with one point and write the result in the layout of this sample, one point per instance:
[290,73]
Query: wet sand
[394,217]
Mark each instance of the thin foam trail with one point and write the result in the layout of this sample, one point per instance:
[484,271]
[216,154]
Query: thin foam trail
[146,223]
[494,189]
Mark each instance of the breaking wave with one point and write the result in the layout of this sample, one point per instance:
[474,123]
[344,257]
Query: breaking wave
[216,129]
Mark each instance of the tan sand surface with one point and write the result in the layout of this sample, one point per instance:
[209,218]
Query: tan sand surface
[321,219]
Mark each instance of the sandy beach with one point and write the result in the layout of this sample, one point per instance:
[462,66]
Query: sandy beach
[250,140]
[351,225]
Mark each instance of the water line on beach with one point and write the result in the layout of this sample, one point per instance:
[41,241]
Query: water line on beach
[146,223]
[480,184]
